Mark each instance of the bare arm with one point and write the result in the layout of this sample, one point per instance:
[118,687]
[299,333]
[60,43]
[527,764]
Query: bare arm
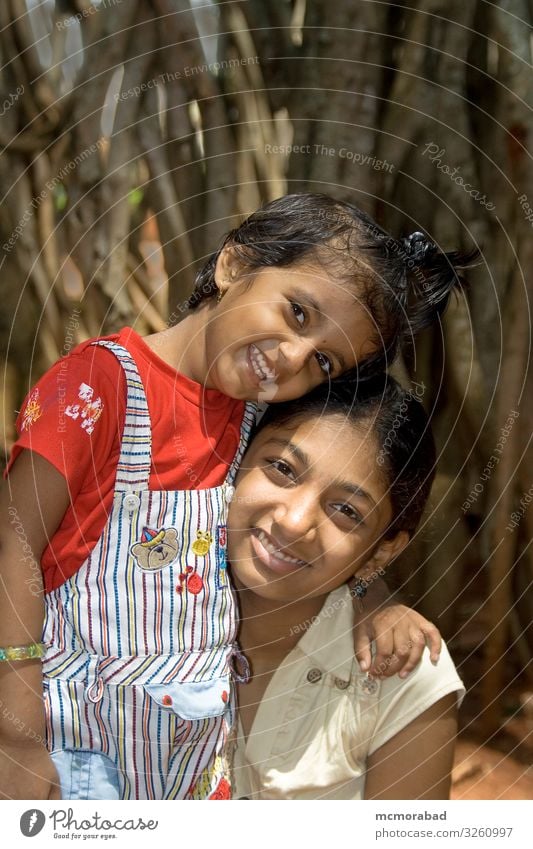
[32,503]
[416,763]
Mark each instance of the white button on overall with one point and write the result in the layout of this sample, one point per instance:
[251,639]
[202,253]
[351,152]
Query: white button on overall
[131,502]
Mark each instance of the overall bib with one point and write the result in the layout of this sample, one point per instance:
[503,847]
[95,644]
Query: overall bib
[141,640]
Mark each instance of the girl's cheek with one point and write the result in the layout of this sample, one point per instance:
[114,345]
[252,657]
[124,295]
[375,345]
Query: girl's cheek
[346,556]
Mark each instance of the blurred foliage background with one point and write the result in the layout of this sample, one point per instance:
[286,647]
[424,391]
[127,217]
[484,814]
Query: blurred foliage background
[135,133]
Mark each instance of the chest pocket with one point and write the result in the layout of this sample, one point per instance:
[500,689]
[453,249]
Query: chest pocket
[192,699]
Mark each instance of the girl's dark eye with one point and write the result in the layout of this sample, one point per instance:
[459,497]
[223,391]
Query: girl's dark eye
[348,511]
[324,363]
[299,314]
[281,468]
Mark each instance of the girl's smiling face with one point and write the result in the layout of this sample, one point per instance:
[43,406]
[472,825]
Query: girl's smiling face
[310,509]
[276,336]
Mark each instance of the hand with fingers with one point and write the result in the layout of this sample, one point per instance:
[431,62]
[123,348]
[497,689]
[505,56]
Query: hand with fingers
[399,635]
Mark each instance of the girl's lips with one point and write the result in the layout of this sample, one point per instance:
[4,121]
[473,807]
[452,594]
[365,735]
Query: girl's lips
[276,562]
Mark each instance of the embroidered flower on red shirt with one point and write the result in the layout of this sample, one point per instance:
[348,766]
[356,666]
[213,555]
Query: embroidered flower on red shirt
[90,411]
[32,411]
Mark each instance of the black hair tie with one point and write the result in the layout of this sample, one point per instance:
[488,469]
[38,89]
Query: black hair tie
[417,246]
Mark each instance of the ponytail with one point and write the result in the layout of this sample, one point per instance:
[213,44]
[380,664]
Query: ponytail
[430,277]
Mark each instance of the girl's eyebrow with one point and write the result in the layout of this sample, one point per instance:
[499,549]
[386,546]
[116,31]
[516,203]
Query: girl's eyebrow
[293,449]
[306,298]
[309,301]
[352,488]
[358,491]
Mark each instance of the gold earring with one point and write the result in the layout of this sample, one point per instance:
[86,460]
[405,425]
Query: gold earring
[220,295]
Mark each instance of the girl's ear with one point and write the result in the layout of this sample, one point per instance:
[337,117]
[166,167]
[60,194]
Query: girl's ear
[226,269]
[386,551]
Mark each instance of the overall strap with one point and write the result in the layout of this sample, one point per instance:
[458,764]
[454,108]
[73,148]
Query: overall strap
[133,470]
[248,422]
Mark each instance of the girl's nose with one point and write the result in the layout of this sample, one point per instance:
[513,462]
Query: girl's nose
[296,353]
[296,516]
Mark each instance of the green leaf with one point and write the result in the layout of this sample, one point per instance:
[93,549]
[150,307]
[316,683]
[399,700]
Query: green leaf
[135,197]
[60,197]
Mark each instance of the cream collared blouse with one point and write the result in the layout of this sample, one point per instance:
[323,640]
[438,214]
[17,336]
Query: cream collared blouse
[319,718]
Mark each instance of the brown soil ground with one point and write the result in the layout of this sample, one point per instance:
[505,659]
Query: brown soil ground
[499,766]
[484,772]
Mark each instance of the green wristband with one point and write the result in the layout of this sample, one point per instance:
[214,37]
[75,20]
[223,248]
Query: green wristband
[29,652]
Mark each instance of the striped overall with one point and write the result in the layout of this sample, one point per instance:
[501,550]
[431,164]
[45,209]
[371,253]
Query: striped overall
[141,640]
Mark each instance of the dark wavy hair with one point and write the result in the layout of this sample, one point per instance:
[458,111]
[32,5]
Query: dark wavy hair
[400,428]
[405,284]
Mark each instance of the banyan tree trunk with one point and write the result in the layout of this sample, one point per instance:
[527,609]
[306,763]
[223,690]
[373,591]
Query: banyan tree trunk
[135,134]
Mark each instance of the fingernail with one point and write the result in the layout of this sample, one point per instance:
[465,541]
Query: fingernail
[363,664]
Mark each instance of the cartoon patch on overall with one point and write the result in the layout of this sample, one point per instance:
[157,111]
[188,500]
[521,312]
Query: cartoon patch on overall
[202,542]
[191,579]
[221,561]
[157,548]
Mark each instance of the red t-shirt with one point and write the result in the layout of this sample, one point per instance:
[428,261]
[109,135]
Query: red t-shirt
[74,418]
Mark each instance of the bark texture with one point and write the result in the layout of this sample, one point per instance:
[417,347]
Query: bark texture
[135,134]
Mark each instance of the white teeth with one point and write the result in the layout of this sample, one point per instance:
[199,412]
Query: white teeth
[271,548]
[259,364]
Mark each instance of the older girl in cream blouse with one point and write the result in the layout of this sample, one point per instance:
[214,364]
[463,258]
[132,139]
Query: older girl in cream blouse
[333,487]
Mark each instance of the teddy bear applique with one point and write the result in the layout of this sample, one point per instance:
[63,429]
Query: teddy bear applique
[156,549]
